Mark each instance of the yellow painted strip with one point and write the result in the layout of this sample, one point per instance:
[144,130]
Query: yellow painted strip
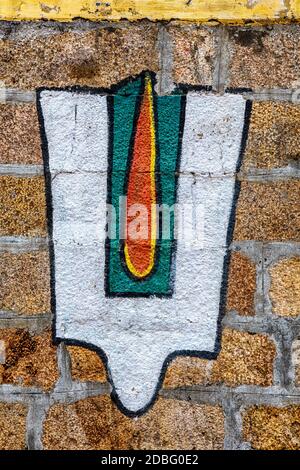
[191,10]
[295,8]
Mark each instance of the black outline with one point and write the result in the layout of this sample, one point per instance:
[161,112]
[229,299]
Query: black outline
[223,291]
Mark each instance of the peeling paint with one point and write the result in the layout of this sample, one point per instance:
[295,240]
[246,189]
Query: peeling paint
[49,8]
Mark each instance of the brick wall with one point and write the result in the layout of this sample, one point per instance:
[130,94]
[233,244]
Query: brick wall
[249,397]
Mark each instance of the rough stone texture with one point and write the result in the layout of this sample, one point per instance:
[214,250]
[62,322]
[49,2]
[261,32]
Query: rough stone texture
[296,360]
[25,282]
[186,371]
[13,426]
[186,320]
[19,134]
[270,428]
[264,58]
[274,136]
[268,211]
[285,287]
[95,423]
[244,359]
[241,284]
[86,365]
[98,58]
[30,361]
[194,50]
[23,209]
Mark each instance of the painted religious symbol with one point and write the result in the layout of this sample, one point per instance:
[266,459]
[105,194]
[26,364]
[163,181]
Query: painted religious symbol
[141,195]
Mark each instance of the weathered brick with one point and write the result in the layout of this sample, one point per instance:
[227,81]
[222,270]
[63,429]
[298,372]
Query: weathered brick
[194,51]
[264,58]
[222,11]
[29,361]
[268,211]
[274,136]
[285,287]
[86,365]
[97,58]
[22,206]
[19,134]
[245,359]
[270,428]
[25,282]
[295,8]
[241,284]
[95,423]
[13,426]
[296,360]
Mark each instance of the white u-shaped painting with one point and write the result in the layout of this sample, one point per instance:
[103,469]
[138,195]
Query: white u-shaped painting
[141,302]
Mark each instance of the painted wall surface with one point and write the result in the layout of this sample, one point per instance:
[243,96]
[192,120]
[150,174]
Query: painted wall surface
[177,308]
[194,10]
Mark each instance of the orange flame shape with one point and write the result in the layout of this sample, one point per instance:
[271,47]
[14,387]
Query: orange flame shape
[139,251]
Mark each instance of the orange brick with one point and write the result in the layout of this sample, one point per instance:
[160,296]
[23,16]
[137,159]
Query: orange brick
[268,211]
[86,365]
[13,426]
[285,287]
[264,58]
[19,134]
[241,284]
[25,282]
[274,136]
[97,58]
[245,359]
[271,428]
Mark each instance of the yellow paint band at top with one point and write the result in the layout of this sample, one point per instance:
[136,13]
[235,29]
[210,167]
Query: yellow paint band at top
[234,11]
